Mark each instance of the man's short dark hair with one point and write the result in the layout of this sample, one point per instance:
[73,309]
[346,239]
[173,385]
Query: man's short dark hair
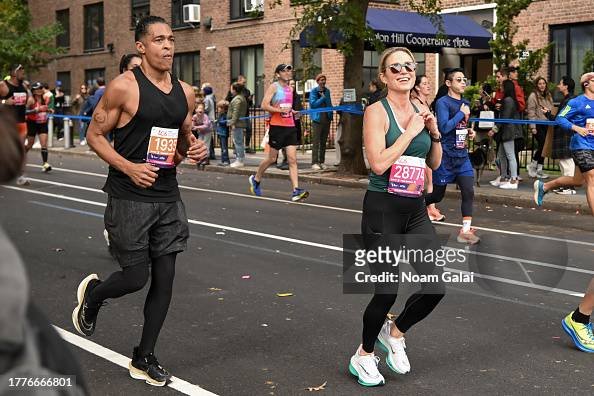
[142,26]
[237,87]
[450,72]
[100,81]
[569,83]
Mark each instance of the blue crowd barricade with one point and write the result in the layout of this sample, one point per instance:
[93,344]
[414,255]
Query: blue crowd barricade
[513,121]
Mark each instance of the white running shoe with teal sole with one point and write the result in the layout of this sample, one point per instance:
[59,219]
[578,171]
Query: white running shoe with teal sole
[365,369]
[395,348]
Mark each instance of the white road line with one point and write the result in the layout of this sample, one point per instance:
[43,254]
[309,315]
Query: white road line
[356,211]
[308,243]
[176,383]
[271,236]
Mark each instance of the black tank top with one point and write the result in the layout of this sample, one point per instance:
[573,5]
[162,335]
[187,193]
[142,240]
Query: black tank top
[155,109]
[19,95]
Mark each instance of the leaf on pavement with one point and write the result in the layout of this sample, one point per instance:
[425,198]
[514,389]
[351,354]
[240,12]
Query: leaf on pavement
[246,277]
[317,388]
[214,289]
[284,294]
[58,250]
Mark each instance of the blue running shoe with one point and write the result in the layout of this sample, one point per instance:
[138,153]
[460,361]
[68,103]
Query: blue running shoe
[539,192]
[254,186]
[299,194]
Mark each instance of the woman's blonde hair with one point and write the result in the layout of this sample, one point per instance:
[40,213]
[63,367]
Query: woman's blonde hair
[384,56]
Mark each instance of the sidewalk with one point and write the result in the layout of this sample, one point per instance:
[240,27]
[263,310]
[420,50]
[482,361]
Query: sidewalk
[486,193]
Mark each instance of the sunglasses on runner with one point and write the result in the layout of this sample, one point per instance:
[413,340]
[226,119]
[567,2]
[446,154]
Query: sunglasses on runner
[397,67]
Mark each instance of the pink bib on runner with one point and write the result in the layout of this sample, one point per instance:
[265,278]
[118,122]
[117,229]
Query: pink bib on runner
[407,177]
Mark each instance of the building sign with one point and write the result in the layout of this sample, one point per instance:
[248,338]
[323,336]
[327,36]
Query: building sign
[392,39]
[349,95]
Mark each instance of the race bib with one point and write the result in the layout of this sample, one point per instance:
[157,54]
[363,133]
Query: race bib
[407,177]
[590,125]
[162,146]
[461,138]
[20,98]
[285,107]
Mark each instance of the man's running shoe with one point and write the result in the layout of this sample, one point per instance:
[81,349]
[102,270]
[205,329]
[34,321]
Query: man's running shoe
[254,186]
[469,237]
[46,167]
[84,316]
[565,191]
[365,369]
[22,181]
[147,368]
[394,347]
[539,192]
[581,334]
[299,194]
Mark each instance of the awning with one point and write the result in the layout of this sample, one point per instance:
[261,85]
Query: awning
[409,29]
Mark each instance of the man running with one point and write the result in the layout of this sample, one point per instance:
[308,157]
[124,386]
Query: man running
[452,116]
[14,94]
[278,101]
[578,117]
[149,113]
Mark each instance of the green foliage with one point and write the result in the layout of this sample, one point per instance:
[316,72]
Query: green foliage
[19,43]
[505,52]
[589,61]
[471,93]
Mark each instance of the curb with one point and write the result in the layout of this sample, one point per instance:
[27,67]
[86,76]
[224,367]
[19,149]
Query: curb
[558,206]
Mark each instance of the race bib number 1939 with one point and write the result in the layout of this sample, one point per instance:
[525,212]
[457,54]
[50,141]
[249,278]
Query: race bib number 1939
[162,146]
[407,177]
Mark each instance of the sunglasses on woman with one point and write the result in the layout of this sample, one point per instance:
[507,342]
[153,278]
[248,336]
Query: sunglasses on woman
[397,67]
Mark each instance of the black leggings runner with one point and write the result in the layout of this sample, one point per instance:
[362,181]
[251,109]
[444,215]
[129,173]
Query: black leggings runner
[134,278]
[466,184]
[385,213]
[541,136]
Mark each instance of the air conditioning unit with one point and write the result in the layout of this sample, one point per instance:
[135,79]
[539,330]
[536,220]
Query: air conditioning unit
[253,5]
[310,84]
[192,13]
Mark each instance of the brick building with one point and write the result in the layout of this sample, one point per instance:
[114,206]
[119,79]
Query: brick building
[228,41]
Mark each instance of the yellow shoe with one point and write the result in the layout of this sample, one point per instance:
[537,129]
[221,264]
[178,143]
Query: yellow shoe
[581,334]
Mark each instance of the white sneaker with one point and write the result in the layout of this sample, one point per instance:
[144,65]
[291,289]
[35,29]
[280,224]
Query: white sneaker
[236,164]
[22,181]
[531,168]
[83,142]
[316,167]
[365,369]
[324,166]
[395,348]
[509,186]
[496,182]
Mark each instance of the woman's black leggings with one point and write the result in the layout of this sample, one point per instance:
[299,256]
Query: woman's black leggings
[389,214]
[541,136]
[466,184]
[133,278]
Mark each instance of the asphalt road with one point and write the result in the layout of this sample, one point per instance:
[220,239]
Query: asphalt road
[235,336]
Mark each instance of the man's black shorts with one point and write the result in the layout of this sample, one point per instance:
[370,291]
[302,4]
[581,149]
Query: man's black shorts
[280,136]
[140,231]
[34,129]
[584,159]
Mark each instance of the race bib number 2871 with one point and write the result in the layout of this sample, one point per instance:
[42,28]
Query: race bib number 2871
[162,146]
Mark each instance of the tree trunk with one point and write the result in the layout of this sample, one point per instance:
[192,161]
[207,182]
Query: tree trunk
[351,140]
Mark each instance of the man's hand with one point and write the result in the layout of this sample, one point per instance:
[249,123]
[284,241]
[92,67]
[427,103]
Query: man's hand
[465,109]
[143,175]
[582,131]
[197,150]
